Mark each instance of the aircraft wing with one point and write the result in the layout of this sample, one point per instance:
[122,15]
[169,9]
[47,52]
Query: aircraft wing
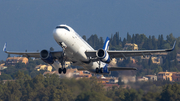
[25,54]
[55,54]
[121,68]
[129,53]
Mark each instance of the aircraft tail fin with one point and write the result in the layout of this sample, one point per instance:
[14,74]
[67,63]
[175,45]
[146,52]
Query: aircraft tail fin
[106,44]
[4,48]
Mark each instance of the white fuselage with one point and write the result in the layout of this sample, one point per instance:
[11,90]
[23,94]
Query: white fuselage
[76,47]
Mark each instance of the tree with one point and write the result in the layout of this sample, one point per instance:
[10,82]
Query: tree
[84,37]
[170,93]
[128,38]
[19,75]
[120,81]
[150,61]
[92,96]
[133,39]
[8,55]
[124,42]
[5,77]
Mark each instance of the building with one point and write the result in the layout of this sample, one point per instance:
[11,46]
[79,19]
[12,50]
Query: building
[2,66]
[142,79]
[43,67]
[130,46]
[176,76]
[151,77]
[14,60]
[113,80]
[102,79]
[157,60]
[165,75]
[133,60]
[67,64]
[178,58]
[127,79]
[113,62]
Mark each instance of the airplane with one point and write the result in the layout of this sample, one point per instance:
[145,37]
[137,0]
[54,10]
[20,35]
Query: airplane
[80,53]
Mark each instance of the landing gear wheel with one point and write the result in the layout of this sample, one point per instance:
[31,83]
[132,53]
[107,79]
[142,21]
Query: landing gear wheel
[101,70]
[59,70]
[64,70]
[97,70]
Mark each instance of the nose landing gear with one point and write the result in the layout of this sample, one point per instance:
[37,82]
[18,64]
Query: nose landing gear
[62,60]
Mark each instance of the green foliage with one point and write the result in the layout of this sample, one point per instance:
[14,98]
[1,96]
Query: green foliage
[170,93]
[92,96]
[51,87]
[4,76]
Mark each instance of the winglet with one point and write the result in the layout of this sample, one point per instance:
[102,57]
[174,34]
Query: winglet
[5,45]
[106,44]
[174,45]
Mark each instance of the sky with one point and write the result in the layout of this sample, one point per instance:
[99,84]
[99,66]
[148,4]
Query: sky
[28,24]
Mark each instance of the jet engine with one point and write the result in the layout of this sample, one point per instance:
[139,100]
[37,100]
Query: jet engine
[103,55]
[46,56]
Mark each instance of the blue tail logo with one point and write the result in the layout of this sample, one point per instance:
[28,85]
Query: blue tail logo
[5,45]
[106,44]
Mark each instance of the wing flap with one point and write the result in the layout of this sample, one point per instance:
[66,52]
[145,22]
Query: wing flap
[55,54]
[81,69]
[26,54]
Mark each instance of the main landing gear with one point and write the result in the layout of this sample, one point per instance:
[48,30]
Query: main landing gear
[62,70]
[62,61]
[98,69]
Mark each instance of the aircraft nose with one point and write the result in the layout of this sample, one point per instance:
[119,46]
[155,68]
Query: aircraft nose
[56,33]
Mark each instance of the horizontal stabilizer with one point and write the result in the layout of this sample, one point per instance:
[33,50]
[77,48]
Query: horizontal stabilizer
[81,69]
[121,68]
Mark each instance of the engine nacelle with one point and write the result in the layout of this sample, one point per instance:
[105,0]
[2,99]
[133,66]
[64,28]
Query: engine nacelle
[103,55]
[46,57]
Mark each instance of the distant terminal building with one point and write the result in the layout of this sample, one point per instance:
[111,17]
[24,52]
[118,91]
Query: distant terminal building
[130,46]
[14,60]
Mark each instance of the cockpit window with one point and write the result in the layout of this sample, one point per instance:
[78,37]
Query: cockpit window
[63,27]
